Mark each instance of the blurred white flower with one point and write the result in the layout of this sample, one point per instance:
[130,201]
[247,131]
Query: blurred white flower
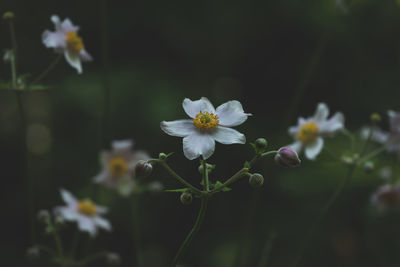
[84,212]
[119,165]
[206,126]
[65,40]
[386,197]
[392,138]
[8,53]
[309,132]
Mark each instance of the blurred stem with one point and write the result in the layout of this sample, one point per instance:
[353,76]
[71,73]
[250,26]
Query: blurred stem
[105,73]
[137,230]
[199,220]
[301,90]
[14,74]
[177,177]
[74,244]
[266,252]
[47,70]
[352,139]
[323,213]
[92,257]
[59,246]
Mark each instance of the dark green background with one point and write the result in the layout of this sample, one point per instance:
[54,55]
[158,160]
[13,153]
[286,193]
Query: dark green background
[279,58]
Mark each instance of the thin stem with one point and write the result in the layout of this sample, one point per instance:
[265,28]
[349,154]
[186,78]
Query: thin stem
[177,177]
[46,71]
[372,154]
[322,214]
[351,137]
[14,55]
[269,153]
[199,220]
[205,175]
[266,252]
[58,243]
[74,244]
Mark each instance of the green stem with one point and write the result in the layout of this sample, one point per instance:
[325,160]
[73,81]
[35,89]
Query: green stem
[91,258]
[352,139]
[269,153]
[59,246]
[322,214]
[205,175]
[47,70]
[177,177]
[266,252]
[199,220]
[14,56]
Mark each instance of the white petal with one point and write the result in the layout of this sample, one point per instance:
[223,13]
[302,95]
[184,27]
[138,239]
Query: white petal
[57,23]
[231,114]
[321,113]
[85,56]
[179,128]
[296,146]
[67,26]
[68,213]
[198,144]
[54,39]
[333,125]
[122,145]
[102,223]
[314,148]
[87,224]
[68,197]
[378,135]
[394,121]
[101,209]
[192,108]
[74,60]
[101,177]
[228,136]
[293,130]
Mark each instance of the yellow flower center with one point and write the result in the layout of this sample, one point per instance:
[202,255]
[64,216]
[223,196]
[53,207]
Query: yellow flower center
[118,167]
[86,207]
[205,120]
[74,42]
[308,132]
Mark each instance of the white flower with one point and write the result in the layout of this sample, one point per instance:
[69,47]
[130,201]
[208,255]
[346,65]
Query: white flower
[309,132]
[65,40]
[206,126]
[7,55]
[386,197]
[392,138]
[119,165]
[84,212]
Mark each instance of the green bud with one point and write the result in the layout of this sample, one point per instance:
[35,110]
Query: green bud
[261,144]
[143,168]
[8,15]
[43,216]
[369,166]
[162,156]
[256,180]
[375,117]
[113,259]
[186,198]
[209,167]
[33,253]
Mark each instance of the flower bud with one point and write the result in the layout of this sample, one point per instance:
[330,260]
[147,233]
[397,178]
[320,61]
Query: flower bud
[256,180]
[369,166]
[186,198]
[209,167]
[287,157]
[375,117]
[33,253]
[113,259]
[43,216]
[8,15]
[162,156]
[261,144]
[143,168]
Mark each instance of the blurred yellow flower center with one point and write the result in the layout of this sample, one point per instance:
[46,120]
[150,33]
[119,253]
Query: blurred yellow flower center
[205,120]
[118,166]
[308,132]
[74,42]
[86,207]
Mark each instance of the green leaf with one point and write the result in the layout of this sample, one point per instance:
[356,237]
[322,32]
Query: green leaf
[247,165]
[218,184]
